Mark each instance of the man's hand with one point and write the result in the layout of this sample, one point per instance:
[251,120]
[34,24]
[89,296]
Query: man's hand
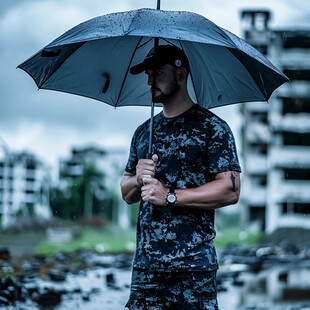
[145,168]
[154,191]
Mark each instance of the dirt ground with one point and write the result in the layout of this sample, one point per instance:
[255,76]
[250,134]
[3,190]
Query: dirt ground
[20,245]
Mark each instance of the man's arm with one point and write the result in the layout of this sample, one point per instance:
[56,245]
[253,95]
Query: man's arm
[131,191]
[223,191]
[131,183]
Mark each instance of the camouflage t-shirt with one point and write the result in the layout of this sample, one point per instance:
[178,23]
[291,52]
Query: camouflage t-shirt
[192,148]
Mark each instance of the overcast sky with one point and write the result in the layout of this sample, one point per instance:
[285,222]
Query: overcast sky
[49,123]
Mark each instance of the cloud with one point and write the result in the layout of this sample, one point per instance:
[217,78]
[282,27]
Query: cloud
[21,103]
[49,122]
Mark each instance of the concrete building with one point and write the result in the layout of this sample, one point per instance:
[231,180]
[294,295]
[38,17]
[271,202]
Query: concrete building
[111,163]
[276,136]
[24,187]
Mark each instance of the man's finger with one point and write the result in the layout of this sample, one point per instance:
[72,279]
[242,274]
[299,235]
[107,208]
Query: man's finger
[155,158]
[147,180]
[147,162]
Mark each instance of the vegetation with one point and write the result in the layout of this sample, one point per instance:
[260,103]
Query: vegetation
[110,240]
[83,196]
[234,236]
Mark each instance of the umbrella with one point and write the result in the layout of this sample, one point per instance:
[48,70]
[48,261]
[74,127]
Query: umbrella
[94,59]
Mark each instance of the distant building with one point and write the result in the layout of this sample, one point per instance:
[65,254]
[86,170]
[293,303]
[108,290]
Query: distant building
[276,136]
[24,187]
[110,162]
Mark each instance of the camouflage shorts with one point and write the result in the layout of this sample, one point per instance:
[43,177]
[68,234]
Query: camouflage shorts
[173,290]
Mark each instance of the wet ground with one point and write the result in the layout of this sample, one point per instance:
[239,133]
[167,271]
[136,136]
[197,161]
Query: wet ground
[250,278]
[87,290]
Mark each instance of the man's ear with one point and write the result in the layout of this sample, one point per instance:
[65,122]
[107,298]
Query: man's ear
[182,74]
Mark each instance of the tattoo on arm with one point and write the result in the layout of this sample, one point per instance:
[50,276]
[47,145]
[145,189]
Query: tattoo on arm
[233,180]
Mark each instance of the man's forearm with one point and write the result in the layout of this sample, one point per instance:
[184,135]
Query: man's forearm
[131,191]
[213,195]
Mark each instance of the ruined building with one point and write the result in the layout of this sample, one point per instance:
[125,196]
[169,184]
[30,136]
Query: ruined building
[108,162]
[24,187]
[276,136]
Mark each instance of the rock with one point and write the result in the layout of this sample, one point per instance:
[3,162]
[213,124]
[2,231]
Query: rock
[56,275]
[36,266]
[61,258]
[31,288]
[85,297]
[25,279]
[65,269]
[110,279]
[3,301]
[95,290]
[5,253]
[123,261]
[5,294]
[9,281]
[47,299]
[100,260]
[26,267]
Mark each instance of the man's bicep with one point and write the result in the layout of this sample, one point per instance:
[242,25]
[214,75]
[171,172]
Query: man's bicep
[128,174]
[221,150]
[231,178]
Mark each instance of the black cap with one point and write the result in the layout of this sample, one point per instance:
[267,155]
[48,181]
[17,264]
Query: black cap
[165,54]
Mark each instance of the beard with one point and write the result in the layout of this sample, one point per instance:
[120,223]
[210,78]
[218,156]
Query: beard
[163,97]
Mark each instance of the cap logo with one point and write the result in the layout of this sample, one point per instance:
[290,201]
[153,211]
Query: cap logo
[178,63]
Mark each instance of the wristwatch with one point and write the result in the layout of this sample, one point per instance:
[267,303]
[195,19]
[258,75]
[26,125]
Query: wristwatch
[171,197]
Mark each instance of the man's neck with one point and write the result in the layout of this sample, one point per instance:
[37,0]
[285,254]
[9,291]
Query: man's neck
[177,105]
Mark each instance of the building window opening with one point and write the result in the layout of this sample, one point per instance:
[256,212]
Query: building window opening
[297,74]
[258,214]
[296,174]
[296,208]
[295,105]
[259,180]
[293,138]
[258,148]
[295,40]
[259,117]
[31,165]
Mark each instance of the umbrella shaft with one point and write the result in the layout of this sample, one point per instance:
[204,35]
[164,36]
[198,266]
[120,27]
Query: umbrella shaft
[150,151]
[158,4]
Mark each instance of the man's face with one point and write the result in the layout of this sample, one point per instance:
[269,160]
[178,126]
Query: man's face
[166,83]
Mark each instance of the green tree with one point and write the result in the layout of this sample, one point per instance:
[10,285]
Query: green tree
[85,196]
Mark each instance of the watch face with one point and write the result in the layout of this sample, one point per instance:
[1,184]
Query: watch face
[171,198]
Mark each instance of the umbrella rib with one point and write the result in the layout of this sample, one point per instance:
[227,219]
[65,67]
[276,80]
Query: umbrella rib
[261,87]
[145,43]
[60,63]
[191,76]
[125,76]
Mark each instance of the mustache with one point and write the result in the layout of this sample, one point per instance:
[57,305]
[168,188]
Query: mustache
[151,89]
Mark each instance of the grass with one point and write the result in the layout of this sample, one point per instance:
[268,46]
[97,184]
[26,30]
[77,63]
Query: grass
[114,240]
[110,240]
[228,237]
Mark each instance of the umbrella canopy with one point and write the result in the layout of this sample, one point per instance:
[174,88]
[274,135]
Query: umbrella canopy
[93,60]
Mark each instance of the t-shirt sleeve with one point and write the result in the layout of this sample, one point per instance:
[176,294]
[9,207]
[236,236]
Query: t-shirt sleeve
[133,157]
[222,149]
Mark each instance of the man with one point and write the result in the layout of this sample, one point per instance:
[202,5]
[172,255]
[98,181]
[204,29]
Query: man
[194,170]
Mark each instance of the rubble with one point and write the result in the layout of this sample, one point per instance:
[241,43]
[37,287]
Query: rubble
[37,278]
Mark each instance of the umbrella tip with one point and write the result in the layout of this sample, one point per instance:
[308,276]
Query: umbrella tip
[158,4]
